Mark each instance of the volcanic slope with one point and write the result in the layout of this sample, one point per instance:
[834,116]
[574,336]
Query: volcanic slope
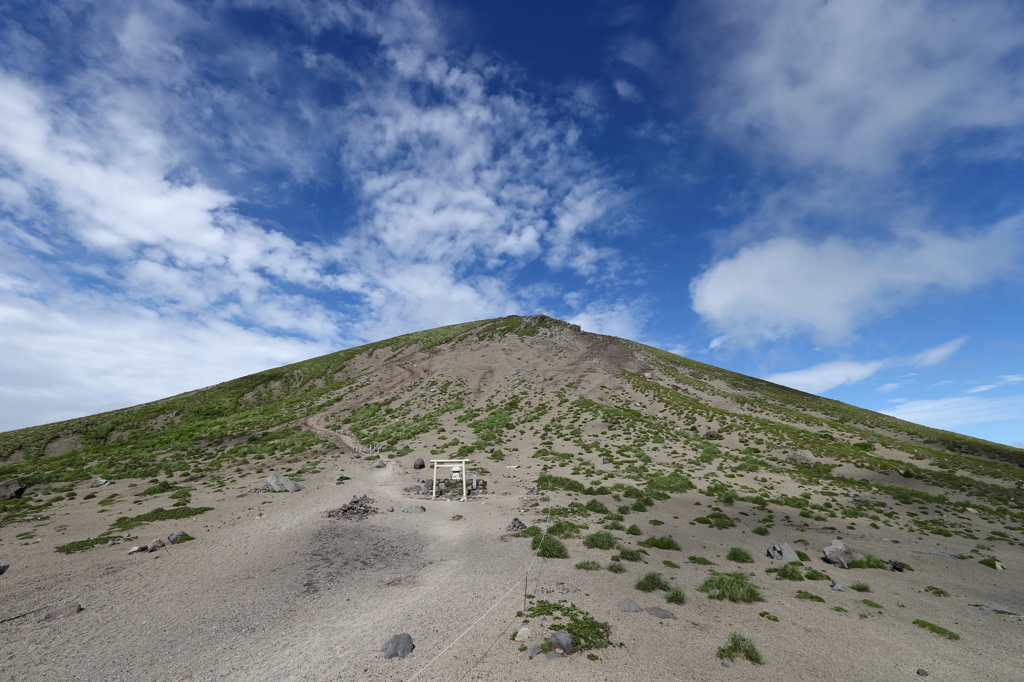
[628,459]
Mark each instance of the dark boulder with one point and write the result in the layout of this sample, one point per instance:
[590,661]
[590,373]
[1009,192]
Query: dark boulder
[399,645]
[11,489]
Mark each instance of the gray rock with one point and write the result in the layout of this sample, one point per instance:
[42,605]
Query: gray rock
[11,489]
[418,464]
[99,483]
[441,430]
[837,586]
[782,552]
[660,613]
[380,464]
[743,440]
[562,640]
[3,568]
[399,645]
[414,509]
[391,509]
[413,489]
[605,460]
[629,606]
[711,435]
[838,554]
[802,457]
[59,612]
[523,634]
[174,538]
[922,672]
[533,650]
[725,664]
[155,545]
[280,484]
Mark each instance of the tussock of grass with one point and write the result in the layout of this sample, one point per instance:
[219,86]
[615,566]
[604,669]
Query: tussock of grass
[670,564]
[634,530]
[739,555]
[739,646]
[868,562]
[787,572]
[760,530]
[602,539]
[630,555]
[616,567]
[936,629]
[989,561]
[549,548]
[732,586]
[701,561]
[159,514]
[860,587]
[596,506]
[588,566]
[815,574]
[531,532]
[613,525]
[675,596]
[937,591]
[663,542]
[803,556]
[80,545]
[652,581]
[564,530]
[874,605]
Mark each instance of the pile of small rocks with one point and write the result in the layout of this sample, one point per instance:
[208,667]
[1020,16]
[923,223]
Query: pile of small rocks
[516,526]
[357,509]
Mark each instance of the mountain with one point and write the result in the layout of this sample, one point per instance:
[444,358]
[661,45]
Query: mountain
[571,423]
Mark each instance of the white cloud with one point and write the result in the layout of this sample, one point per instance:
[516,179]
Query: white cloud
[940,353]
[860,85]
[1003,381]
[617,319]
[828,375]
[948,413]
[787,285]
[628,91]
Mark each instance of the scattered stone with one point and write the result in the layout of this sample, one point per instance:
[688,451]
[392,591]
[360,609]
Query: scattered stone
[897,565]
[457,517]
[489,450]
[711,435]
[837,586]
[380,464]
[660,613]
[782,552]
[358,509]
[629,606]
[391,509]
[280,484]
[399,645]
[838,554]
[552,655]
[561,639]
[99,483]
[11,489]
[802,457]
[752,574]
[605,460]
[515,526]
[59,612]
[441,430]
[156,544]
[725,664]
[922,672]
[743,440]
[523,634]
[3,568]
[138,548]
[340,479]
[418,464]
[413,489]
[415,509]
[175,538]
[531,652]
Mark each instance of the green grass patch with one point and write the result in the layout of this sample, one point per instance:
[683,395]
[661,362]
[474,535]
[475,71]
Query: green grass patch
[874,605]
[531,532]
[675,596]
[760,530]
[803,594]
[868,562]
[588,566]
[769,616]
[663,542]
[124,523]
[670,564]
[737,645]
[549,548]
[587,633]
[652,581]
[564,529]
[860,587]
[701,561]
[815,574]
[787,572]
[937,591]
[634,530]
[732,586]
[596,506]
[630,555]
[602,539]
[79,545]
[739,555]
[936,629]
[989,561]
[616,567]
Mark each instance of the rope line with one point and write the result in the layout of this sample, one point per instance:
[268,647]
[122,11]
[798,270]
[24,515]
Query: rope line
[500,599]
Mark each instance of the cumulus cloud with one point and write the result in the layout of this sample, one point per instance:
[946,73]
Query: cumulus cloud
[861,85]
[622,319]
[828,375]
[789,285]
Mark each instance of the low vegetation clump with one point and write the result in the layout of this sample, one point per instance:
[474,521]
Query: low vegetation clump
[739,555]
[760,530]
[803,594]
[634,530]
[652,581]
[616,567]
[587,633]
[989,561]
[717,520]
[787,572]
[613,525]
[802,555]
[661,543]
[815,574]
[531,532]
[596,506]
[874,605]
[159,514]
[739,646]
[936,629]
[670,564]
[732,586]
[868,562]
[549,548]
[588,566]
[701,561]
[937,591]
[564,529]
[602,539]
[630,554]
[79,545]
[769,616]
[860,587]
[675,596]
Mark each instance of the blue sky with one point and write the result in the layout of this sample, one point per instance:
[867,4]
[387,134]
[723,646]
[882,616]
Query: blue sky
[826,194]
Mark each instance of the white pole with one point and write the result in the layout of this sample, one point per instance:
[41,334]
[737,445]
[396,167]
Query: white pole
[434,496]
[464,478]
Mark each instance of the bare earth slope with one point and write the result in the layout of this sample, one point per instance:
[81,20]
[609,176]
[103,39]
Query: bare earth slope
[573,434]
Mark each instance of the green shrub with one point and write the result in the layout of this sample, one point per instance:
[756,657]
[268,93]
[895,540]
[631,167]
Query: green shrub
[588,566]
[652,581]
[80,545]
[989,561]
[624,509]
[739,555]
[801,594]
[595,505]
[815,574]
[675,596]
[671,564]
[564,529]
[937,591]
[613,517]
[531,532]
[639,506]
[550,548]
[860,587]
[616,567]
[663,542]
[634,530]
[787,572]
[732,586]
[868,562]
[675,482]
[630,555]
[803,555]
[602,539]
[739,646]
[760,530]
[613,525]
[701,561]
[872,604]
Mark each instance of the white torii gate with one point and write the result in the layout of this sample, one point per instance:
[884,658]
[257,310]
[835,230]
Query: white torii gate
[458,467]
